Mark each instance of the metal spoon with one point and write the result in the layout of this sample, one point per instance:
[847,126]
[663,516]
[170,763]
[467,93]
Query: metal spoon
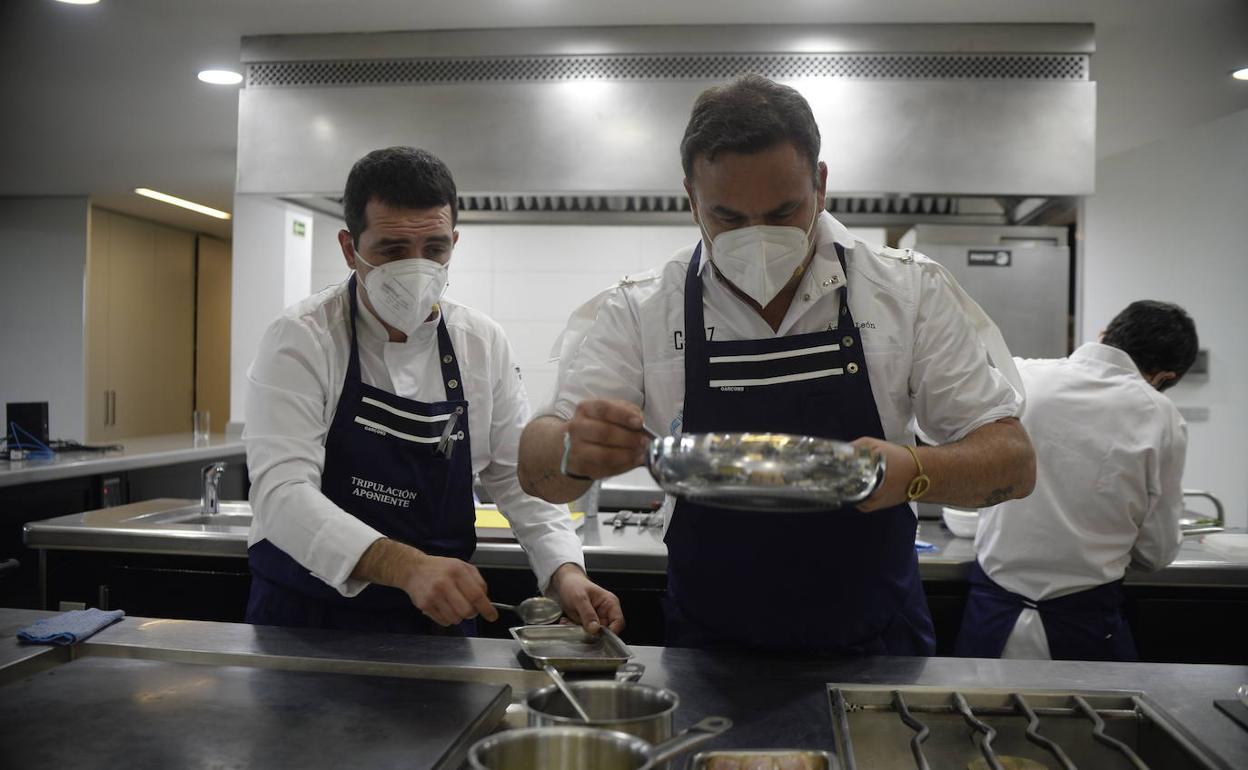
[535,611]
[557,678]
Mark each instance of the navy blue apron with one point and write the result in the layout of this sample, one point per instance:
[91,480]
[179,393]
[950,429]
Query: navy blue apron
[1087,625]
[838,581]
[382,466]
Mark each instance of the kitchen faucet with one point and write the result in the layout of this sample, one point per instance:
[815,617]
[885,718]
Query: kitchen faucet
[210,499]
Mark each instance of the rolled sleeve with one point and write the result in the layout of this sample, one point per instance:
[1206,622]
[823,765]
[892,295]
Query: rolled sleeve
[954,388]
[285,430]
[545,531]
[1161,534]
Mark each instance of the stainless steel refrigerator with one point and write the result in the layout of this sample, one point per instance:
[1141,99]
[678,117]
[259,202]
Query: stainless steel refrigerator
[1019,275]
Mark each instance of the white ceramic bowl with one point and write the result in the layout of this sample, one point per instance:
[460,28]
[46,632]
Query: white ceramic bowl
[960,523]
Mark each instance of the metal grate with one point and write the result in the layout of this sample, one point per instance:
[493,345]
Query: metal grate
[669,67]
[982,733]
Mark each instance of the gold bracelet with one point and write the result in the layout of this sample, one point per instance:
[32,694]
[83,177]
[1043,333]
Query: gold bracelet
[920,483]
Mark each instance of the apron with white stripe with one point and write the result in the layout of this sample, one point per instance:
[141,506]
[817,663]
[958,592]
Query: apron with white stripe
[382,466]
[838,580]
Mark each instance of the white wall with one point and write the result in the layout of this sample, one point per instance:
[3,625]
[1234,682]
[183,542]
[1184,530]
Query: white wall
[328,266]
[43,258]
[272,268]
[1169,221]
[530,278]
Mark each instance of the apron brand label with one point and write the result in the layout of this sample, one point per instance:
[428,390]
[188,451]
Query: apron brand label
[372,490]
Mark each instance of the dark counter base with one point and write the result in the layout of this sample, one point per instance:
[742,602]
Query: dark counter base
[24,503]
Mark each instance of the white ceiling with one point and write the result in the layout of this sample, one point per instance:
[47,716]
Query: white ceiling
[101,99]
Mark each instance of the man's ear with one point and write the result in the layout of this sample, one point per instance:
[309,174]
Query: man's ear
[348,248]
[1163,380]
[823,183]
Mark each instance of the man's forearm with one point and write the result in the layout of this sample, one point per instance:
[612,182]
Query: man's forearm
[387,562]
[541,449]
[994,463]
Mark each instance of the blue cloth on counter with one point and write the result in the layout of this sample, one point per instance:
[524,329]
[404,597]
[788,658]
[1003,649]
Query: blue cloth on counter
[69,627]
[923,545]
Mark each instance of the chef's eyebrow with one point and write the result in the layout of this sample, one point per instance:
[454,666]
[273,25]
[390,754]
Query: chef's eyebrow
[723,212]
[433,239]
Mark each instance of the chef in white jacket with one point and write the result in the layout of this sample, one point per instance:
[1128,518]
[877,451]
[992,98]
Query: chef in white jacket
[780,320]
[370,406]
[1110,451]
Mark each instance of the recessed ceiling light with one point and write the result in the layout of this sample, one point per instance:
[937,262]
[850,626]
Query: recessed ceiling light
[1240,74]
[176,201]
[221,77]
[79,2]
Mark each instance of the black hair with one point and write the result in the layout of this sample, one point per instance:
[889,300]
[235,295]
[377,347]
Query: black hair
[1159,337]
[405,177]
[749,114]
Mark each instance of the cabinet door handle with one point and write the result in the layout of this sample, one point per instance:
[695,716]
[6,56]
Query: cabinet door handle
[106,408]
[113,407]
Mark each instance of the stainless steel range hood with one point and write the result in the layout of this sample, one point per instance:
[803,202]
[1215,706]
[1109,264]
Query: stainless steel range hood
[597,113]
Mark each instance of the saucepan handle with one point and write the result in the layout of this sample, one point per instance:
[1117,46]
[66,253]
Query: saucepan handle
[689,739]
[630,672]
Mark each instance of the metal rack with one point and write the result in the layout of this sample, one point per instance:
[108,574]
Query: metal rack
[1065,726]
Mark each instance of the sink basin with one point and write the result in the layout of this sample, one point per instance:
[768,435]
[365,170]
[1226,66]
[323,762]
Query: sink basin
[165,526]
[229,514]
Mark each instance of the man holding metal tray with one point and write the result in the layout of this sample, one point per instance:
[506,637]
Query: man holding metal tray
[780,321]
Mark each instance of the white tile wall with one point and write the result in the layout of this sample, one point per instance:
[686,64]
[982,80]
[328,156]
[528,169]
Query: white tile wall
[530,278]
[328,266]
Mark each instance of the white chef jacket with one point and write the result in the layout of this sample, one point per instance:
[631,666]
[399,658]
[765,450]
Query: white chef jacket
[926,362]
[1110,451]
[292,393]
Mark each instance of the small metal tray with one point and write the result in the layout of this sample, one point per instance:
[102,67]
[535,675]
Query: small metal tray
[571,648]
[816,760]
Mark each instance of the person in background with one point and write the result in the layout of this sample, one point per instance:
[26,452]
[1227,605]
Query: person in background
[780,320]
[369,408]
[1110,450]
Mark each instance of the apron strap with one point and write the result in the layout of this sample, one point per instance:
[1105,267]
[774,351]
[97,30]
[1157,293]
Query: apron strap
[353,361]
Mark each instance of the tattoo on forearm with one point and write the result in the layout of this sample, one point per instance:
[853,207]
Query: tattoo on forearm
[998,496]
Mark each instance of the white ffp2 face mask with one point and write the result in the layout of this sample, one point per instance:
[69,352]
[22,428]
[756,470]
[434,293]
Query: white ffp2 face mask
[403,292]
[760,260]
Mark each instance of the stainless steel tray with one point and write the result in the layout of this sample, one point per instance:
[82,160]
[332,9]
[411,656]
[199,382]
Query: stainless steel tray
[815,760]
[764,471]
[571,648]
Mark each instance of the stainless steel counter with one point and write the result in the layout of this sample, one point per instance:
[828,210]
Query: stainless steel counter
[774,701]
[132,528]
[142,452]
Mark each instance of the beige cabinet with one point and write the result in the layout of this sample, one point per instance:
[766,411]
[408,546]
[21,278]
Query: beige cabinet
[212,330]
[140,336]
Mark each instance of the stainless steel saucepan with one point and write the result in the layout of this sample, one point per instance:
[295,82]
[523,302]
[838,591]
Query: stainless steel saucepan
[774,472]
[630,707]
[579,748]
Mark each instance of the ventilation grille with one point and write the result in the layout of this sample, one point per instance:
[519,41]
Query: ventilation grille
[701,67]
[910,204]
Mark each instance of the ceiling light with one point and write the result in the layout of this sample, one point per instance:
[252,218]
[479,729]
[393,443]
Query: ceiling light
[221,77]
[1240,74]
[79,2]
[175,201]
